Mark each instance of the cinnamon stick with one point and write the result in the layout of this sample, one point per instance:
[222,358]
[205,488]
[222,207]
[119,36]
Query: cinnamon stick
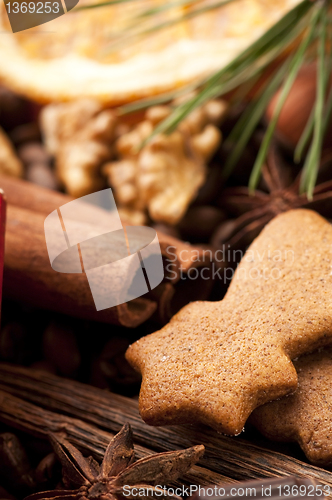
[232,458]
[28,275]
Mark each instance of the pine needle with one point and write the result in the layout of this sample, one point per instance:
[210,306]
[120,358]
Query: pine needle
[107,3]
[239,67]
[311,165]
[308,130]
[308,19]
[156,100]
[296,64]
[305,137]
[152,11]
[249,120]
[128,36]
[249,75]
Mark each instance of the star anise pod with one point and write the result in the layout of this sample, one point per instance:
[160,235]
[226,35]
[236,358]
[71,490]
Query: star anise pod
[279,192]
[84,479]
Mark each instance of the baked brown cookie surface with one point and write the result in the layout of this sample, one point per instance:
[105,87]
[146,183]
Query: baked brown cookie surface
[306,415]
[215,362]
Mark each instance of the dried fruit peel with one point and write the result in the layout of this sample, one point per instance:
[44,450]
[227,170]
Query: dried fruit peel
[67,59]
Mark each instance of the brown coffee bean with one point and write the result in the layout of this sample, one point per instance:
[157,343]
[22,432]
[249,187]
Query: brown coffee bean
[212,185]
[15,470]
[60,348]
[199,223]
[111,369]
[13,342]
[97,376]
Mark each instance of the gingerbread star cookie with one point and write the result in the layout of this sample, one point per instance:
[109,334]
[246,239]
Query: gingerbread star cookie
[306,415]
[215,362]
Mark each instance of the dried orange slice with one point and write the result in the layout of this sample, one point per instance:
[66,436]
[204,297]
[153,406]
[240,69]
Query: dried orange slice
[75,55]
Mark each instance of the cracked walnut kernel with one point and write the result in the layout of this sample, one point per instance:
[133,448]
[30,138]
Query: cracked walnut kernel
[164,176]
[80,134]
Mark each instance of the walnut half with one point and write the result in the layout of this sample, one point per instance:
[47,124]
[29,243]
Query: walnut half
[80,134]
[165,175]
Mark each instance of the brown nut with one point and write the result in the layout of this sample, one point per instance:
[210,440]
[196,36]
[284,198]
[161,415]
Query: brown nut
[80,135]
[164,176]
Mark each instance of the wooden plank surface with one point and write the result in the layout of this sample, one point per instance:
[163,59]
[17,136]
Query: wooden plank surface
[231,458]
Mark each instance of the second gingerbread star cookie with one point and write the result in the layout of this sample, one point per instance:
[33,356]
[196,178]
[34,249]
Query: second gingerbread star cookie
[306,415]
[215,362]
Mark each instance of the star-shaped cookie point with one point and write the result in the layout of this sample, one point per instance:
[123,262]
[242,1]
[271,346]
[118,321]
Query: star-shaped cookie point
[215,362]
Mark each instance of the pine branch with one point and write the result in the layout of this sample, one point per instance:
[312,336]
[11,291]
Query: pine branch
[308,20]
[311,165]
[295,66]
[219,83]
